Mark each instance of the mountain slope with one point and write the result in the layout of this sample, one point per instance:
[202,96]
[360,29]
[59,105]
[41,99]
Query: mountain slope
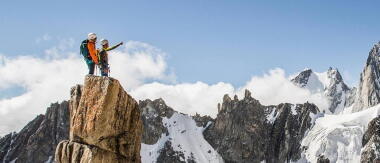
[36,142]
[170,136]
[329,84]
[246,131]
[338,137]
[371,142]
[369,86]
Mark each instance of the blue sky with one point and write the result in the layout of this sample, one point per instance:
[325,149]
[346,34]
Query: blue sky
[208,41]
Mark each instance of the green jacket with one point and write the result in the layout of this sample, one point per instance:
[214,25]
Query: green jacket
[103,55]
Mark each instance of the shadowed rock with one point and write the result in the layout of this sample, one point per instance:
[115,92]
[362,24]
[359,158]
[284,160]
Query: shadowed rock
[36,142]
[246,131]
[371,142]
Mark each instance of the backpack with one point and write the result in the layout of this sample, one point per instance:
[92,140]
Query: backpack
[84,50]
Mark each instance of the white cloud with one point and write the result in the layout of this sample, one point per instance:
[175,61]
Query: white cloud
[141,62]
[276,88]
[188,98]
[270,89]
[63,45]
[49,79]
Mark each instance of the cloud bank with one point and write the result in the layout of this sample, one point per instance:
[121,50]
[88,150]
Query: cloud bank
[48,79]
[270,89]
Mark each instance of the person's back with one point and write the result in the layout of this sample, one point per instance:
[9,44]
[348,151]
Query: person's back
[88,50]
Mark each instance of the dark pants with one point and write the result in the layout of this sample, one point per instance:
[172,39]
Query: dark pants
[104,69]
[91,66]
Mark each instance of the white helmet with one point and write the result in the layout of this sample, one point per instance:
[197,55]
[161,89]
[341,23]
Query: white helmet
[103,42]
[91,36]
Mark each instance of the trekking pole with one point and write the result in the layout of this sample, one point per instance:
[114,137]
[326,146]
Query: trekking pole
[96,69]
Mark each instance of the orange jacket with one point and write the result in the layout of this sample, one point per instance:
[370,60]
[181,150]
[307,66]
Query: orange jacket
[92,50]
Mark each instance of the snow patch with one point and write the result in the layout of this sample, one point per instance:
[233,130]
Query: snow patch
[272,116]
[338,137]
[185,137]
[50,160]
[293,109]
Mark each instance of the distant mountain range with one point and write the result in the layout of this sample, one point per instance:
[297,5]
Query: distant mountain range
[244,130]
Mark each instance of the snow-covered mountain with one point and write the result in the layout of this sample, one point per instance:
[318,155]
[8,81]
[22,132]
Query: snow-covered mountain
[338,137]
[244,129]
[170,136]
[329,84]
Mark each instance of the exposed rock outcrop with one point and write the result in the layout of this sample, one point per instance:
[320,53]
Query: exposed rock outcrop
[302,79]
[323,159]
[371,142]
[330,84]
[37,141]
[170,136]
[152,113]
[246,131]
[369,86]
[105,124]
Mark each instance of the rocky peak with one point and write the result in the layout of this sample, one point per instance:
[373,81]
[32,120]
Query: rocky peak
[246,131]
[308,79]
[105,124]
[247,94]
[334,75]
[369,86]
[302,78]
[156,108]
[152,113]
[36,142]
[330,84]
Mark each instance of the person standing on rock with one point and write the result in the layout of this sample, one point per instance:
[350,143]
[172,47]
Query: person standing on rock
[103,56]
[89,52]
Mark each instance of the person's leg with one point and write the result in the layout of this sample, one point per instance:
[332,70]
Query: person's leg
[104,70]
[91,68]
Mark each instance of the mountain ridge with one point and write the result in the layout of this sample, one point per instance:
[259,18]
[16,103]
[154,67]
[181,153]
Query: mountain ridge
[243,131]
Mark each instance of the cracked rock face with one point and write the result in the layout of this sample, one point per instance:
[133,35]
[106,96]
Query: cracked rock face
[369,86]
[152,113]
[371,142]
[36,142]
[246,131]
[104,121]
[86,154]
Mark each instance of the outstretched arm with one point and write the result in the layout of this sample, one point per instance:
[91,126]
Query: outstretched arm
[114,47]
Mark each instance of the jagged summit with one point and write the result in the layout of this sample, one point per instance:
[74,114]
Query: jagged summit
[329,84]
[369,86]
[314,80]
[247,131]
[36,142]
[105,124]
[302,78]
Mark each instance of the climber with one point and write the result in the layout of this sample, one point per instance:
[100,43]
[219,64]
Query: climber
[103,56]
[88,50]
